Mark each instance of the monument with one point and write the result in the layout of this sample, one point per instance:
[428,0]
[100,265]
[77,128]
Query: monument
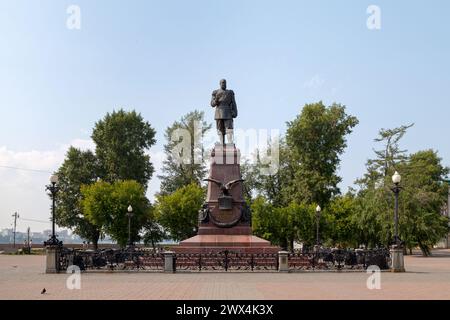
[225,218]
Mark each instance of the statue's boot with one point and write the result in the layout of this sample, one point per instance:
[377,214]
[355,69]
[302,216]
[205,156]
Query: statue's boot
[221,137]
[230,137]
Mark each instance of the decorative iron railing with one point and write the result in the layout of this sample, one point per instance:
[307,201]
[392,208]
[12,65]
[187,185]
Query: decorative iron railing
[144,259]
[112,259]
[339,259]
[226,261]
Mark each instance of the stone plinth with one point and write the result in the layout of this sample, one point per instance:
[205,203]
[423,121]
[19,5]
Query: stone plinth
[225,225]
[52,259]
[221,242]
[397,261]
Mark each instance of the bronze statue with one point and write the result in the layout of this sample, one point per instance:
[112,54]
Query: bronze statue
[226,110]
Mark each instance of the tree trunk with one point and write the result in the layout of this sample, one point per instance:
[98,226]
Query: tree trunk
[424,249]
[95,237]
[291,245]
[284,244]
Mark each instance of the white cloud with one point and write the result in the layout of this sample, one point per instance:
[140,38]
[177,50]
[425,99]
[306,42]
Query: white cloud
[314,83]
[156,157]
[23,176]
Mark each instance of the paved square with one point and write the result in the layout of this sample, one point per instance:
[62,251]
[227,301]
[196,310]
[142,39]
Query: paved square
[23,277]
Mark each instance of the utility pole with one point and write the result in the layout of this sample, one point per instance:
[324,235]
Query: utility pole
[28,241]
[15,215]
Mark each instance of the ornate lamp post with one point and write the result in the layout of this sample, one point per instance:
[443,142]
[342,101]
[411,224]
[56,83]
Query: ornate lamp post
[53,188]
[129,215]
[397,261]
[447,180]
[396,179]
[318,211]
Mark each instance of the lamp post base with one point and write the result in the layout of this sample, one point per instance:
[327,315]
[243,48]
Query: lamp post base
[397,261]
[52,259]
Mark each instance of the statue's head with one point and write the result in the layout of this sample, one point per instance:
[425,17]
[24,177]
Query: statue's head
[223,84]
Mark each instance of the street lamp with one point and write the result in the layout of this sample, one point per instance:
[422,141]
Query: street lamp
[53,188]
[396,179]
[318,210]
[129,215]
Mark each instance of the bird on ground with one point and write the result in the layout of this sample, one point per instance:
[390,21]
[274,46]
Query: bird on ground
[43,291]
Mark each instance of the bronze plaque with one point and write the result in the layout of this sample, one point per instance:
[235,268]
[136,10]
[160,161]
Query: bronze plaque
[225,203]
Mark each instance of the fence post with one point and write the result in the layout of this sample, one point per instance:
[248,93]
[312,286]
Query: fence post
[283,265]
[169,263]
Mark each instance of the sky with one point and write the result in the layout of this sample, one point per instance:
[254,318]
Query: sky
[163,59]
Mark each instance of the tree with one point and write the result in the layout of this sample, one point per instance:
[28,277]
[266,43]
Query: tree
[178,212]
[185,161]
[122,139]
[277,186]
[79,168]
[374,199]
[284,225]
[153,233]
[422,198]
[105,205]
[265,222]
[340,226]
[381,167]
[373,217]
[318,137]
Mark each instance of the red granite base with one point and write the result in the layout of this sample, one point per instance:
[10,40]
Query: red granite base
[220,242]
[213,230]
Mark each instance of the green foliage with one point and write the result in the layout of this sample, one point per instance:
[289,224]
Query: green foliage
[381,168]
[422,199]
[184,166]
[318,137]
[79,168]
[105,205]
[278,186]
[340,226]
[284,225]
[153,233]
[178,212]
[374,217]
[122,139]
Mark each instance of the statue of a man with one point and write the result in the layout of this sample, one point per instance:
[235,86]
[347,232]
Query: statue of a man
[226,109]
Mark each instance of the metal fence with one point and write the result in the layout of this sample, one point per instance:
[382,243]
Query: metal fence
[112,259]
[339,259]
[227,260]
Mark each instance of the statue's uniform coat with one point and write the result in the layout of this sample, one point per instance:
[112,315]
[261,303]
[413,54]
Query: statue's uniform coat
[225,104]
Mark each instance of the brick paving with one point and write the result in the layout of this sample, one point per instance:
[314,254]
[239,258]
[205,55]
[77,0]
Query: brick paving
[23,277]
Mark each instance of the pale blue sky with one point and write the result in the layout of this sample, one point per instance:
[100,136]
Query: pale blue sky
[163,58]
